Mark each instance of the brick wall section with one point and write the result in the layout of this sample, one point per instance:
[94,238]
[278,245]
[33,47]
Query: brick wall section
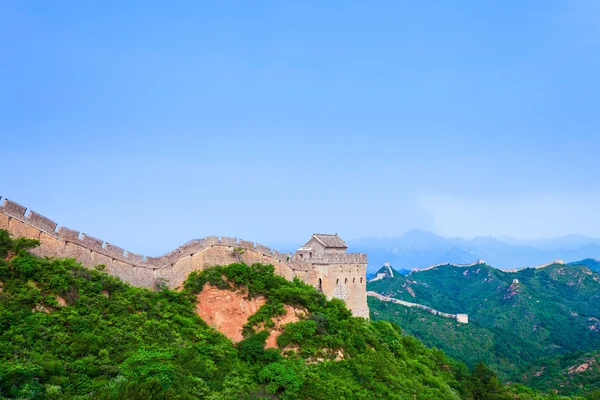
[342,275]
[462,318]
[345,281]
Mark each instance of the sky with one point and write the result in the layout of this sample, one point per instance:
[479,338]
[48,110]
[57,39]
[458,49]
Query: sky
[149,123]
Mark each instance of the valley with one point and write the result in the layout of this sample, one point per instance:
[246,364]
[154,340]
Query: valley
[73,332]
[516,319]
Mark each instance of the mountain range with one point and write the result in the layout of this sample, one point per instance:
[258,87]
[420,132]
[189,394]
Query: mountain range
[230,332]
[418,249]
[531,325]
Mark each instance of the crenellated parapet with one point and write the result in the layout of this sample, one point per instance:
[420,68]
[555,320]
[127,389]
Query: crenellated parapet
[45,225]
[331,258]
[336,273]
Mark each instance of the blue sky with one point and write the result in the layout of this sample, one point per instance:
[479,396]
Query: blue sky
[147,123]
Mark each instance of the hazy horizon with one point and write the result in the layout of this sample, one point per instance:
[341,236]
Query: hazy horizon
[500,238]
[147,126]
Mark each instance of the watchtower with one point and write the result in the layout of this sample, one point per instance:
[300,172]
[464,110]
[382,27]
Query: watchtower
[334,272]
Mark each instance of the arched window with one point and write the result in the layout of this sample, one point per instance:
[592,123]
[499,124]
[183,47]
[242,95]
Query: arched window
[353,280]
[361,279]
[337,282]
[346,281]
[320,288]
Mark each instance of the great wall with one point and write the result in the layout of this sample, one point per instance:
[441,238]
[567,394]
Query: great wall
[462,318]
[560,262]
[480,262]
[328,268]
[388,272]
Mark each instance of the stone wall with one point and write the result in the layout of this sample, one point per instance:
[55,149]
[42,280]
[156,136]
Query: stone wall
[560,262]
[479,262]
[342,275]
[462,318]
[345,281]
[330,258]
[137,269]
[388,272]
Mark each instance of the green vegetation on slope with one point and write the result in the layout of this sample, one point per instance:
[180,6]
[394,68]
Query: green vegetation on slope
[545,312]
[571,373]
[471,343]
[67,332]
[592,264]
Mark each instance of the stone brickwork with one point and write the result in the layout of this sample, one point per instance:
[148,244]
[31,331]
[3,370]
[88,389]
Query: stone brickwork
[340,275]
[334,272]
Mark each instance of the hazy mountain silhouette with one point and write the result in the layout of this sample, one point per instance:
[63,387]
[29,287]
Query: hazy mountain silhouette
[419,249]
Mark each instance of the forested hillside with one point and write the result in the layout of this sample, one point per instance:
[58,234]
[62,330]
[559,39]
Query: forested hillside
[67,332]
[591,263]
[515,319]
[572,373]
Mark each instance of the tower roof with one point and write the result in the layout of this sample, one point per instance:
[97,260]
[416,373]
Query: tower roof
[330,241]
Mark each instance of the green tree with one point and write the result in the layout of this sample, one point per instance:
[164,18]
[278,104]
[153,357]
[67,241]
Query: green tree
[485,385]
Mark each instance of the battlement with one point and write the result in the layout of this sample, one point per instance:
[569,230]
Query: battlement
[15,210]
[49,227]
[334,273]
[330,258]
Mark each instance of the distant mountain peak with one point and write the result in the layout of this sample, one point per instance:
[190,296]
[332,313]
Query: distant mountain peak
[417,249]
[384,272]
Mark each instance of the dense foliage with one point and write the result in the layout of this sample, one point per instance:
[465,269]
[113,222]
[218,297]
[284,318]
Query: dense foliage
[67,332]
[515,318]
[571,373]
[591,263]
